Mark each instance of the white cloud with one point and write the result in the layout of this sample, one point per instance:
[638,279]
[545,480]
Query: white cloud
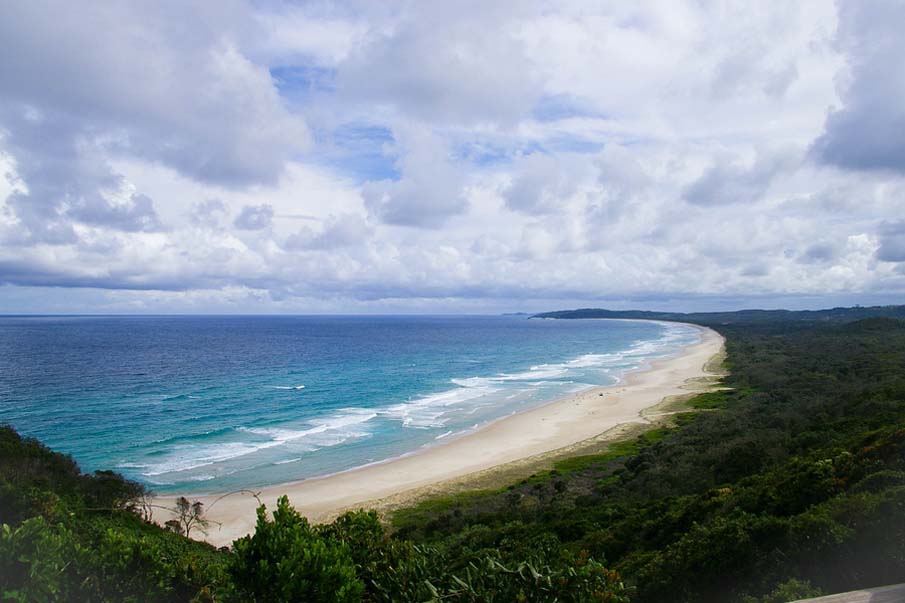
[545,183]
[254,217]
[505,154]
[446,63]
[165,82]
[338,231]
[865,133]
[430,189]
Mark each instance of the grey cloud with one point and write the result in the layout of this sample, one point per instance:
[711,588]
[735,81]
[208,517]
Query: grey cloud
[620,172]
[726,181]
[755,270]
[254,217]
[208,213]
[66,180]
[819,253]
[338,231]
[779,81]
[137,215]
[41,222]
[623,183]
[51,176]
[866,132]
[172,86]
[411,203]
[176,95]
[892,242]
[430,189]
[542,183]
[38,274]
[459,63]
[82,85]
[747,67]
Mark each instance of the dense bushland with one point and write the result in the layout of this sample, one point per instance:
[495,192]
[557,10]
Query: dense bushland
[790,483]
[796,477]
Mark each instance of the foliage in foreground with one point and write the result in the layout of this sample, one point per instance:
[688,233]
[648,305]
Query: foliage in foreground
[77,545]
[289,560]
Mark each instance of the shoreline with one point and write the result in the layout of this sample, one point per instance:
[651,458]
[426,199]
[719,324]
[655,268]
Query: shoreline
[542,430]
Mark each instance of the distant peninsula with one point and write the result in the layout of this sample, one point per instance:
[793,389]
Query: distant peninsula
[737,317]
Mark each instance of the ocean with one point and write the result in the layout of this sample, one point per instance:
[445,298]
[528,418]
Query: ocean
[208,404]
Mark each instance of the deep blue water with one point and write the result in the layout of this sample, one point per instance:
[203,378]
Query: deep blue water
[205,404]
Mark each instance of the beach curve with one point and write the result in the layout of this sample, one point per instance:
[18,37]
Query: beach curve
[556,425]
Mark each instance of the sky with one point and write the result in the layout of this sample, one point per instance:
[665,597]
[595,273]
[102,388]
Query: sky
[450,157]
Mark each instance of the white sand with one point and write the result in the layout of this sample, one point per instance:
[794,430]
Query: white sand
[556,425]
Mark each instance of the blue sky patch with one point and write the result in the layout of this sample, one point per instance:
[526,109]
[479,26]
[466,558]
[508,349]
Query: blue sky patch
[562,106]
[302,82]
[361,150]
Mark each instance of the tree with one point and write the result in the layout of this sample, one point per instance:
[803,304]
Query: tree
[189,515]
[287,560]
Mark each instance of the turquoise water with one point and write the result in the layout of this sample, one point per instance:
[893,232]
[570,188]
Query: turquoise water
[208,404]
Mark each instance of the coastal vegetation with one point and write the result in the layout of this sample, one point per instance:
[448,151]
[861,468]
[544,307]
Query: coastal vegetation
[798,475]
[69,536]
[790,482]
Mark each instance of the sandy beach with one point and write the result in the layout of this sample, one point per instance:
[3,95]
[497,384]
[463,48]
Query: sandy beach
[551,427]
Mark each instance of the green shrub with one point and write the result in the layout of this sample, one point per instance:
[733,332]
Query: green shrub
[286,560]
[790,590]
[35,559]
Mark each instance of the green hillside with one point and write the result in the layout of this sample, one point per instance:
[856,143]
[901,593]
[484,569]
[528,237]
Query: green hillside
[739,317]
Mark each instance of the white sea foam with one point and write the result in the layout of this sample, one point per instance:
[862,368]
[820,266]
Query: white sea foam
[428,411]
[536,373]
[593,360]
[287,461]
[200,478]
[543,371]
[470,395]
[325,432]
[188,457]
[328,431]
[546,374]
[473,381]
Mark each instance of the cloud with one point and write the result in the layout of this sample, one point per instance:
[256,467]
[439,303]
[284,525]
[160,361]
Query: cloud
[254,217]
[134,215]
[121,80]
[29,274]
[543,184]
[66,181]
[417,156]
[819,253]
[345,230]
[892,241]
[865,133]
[207,214]
[728,180]
[184,95]
[445,64]
[430,188]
